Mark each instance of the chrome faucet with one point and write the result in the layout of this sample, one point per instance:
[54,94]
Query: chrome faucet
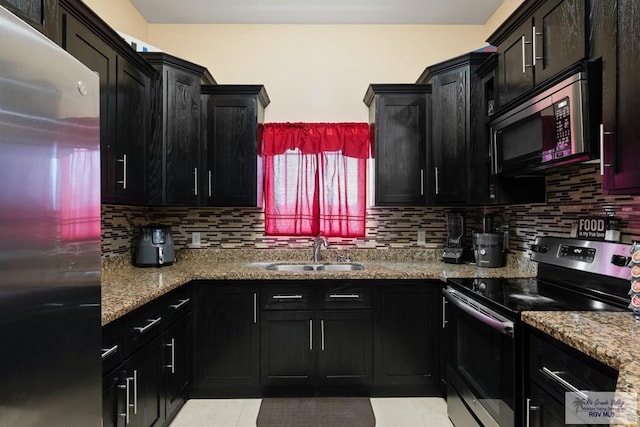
[318,243]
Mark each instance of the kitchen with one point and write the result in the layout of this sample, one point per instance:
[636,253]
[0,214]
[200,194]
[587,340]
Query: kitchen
[571,192]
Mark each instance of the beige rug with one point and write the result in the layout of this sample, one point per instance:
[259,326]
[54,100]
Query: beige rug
[316,412]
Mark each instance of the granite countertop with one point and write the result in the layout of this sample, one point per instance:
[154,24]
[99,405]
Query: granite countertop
[125,287]
[611,338]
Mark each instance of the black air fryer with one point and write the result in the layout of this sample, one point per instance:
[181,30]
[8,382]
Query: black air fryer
[155,247]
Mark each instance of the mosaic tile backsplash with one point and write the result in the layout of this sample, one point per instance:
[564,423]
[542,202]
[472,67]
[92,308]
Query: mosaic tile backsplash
[572,192]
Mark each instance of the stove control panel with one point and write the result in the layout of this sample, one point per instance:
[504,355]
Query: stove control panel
[577,253]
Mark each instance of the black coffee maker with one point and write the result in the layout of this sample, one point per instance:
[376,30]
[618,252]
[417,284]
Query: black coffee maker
[455,251]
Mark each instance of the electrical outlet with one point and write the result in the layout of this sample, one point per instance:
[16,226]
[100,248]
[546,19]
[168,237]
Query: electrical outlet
[422,238]
[195,239]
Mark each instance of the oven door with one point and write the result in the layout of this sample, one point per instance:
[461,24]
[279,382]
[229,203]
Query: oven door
[480,362]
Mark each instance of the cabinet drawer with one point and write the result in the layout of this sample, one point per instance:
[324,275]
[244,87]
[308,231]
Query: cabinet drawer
[112,346]
[557,367]
[287,296]
[142,326]
[348,295]
[177,303]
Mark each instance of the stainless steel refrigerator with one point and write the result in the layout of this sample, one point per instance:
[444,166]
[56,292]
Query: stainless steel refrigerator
[50,364]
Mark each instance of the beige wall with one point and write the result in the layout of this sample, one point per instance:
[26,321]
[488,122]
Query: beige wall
[503,12]
[315,73]
[312,73]
[122,16]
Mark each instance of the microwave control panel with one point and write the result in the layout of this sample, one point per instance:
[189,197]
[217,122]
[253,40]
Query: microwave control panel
[560,132]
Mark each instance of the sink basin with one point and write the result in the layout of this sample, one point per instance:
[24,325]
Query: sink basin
[315,267]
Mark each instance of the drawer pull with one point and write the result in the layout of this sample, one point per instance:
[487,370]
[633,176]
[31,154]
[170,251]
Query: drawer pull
[287,297]
[566,384]
[344,296]
[106,352]
[181,303]
[152,323]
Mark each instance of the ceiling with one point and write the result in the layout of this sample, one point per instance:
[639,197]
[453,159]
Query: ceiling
[472,12]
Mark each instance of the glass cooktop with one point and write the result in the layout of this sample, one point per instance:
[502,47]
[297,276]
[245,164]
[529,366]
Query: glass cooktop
[517,295]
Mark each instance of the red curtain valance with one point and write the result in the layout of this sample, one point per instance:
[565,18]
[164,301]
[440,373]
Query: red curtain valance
[352,139]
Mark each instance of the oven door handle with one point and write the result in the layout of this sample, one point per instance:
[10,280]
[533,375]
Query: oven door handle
[503,326]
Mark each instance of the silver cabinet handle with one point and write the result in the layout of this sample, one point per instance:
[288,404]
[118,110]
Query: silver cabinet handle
[530,408]
[123,160]
[209,183]
[602,163]
[255,308]
[310,334]
[195,181]
[422,182]
[322,334]
[437,173]
[494,146]
[172,365]
[534,36]
[181,303]
[152,322]
[338,296]
[106,352]
[135,391]
[444,312]
[566,384]
[524,56]
[277,297]
[125,387]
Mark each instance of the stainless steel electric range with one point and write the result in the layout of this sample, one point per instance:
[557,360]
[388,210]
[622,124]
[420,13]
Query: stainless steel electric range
[481,318]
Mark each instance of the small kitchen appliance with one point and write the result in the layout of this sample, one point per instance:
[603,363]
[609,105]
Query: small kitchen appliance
[155,247]
[454,251]
[490,247]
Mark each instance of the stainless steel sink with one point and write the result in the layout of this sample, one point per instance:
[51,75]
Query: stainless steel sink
[315,267]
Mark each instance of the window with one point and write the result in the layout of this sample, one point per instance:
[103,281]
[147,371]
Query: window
[315,178]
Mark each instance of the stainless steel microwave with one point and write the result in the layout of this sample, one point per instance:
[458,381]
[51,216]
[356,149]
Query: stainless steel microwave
[549,129]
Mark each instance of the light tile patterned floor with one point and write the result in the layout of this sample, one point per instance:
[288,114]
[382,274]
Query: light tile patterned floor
[389,412]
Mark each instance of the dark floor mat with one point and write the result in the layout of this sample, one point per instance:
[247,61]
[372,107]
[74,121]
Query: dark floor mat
[316,412]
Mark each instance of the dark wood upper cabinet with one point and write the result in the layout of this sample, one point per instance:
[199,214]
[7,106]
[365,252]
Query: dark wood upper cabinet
[40,14]
[537,42]
[233,116]
[616,35]
[399,127]
[175,148]
[125,90]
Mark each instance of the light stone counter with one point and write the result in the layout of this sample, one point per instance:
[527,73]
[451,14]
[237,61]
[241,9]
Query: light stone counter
[125,287]
[612,338]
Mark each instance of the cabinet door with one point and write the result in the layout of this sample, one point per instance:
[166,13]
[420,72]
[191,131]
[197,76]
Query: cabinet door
[232,150]
[620,104]
[400,146]
[40,14]
[560,33]
[449,144]
[345,351]
[114,389]
[405,335]
[228,336]
[288,347]
[99,57]
[133,115]
[144,368]
[182,139]
[515,74]
[178,356]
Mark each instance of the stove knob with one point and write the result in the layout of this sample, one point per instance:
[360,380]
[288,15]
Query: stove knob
[619,260]
[483,251]
[483,286]
[539,249]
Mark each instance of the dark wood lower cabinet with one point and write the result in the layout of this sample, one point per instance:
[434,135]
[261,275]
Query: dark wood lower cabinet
[178,342]
[144,368]
[405,336]
[228,343]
